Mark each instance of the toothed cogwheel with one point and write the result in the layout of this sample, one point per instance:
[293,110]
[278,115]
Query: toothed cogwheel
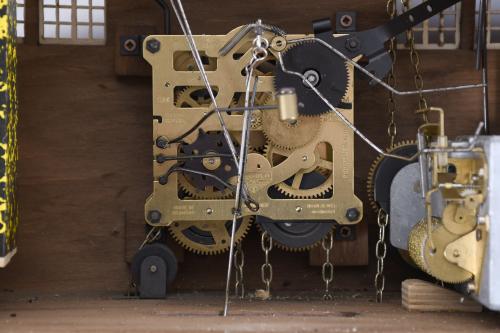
[382,172]
[208,237]
[432,262]
[287,136]
[194,97]
[297,235]
[257,138]
[308,183]
[320,67]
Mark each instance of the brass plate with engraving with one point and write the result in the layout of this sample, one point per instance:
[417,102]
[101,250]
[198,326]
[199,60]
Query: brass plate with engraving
[225,75]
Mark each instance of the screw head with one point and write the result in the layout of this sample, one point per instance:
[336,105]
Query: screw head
[352,214]
[154,216]
[298,209]
[161,142]
[153,268]
[210,211]
[153,45]
[130,45]
[352,44]
[346,20]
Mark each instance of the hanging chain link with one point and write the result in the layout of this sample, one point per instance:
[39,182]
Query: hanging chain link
[381,252]
[327,268]
[266,268]
[415,61]
[391,79]
[441,29]
[239,263]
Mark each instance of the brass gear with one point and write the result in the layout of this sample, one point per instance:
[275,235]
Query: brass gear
[208,237]
[434,263]
[370,181]
[257,139]
[287,136]
[193,97]
[209,193]
[322,170]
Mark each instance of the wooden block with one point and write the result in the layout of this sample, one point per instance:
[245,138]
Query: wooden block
[131,65]
[418,295]
[345,252]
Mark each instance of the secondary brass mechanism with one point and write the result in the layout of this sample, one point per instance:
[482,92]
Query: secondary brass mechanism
[451,247]
[320,144]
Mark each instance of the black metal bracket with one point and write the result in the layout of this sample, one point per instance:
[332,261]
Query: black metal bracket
[370,44]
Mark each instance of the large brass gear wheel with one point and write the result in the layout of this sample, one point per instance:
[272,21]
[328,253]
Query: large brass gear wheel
[399,148]
[287,136]
[313,182]
[208,237]
[432,262]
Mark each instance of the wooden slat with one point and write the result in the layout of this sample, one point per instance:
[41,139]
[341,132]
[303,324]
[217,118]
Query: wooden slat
[418,295]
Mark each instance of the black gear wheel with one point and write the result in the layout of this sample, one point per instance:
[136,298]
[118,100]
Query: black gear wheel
[326,71]
[205,144]
[296,235]
[385,172]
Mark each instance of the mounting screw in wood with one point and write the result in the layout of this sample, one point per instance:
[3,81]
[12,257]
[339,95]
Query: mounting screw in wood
[154,216]
[153,45]
[130,45]
[352,214]
[346,21]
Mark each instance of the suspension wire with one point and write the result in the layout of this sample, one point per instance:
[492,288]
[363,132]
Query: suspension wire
[381,82]
[183,22]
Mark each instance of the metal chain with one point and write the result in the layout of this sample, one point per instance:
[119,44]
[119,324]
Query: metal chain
[266,268]
[391,79]
[327,268]
[415,61]
[441,29]
[381,252]
[239,263]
